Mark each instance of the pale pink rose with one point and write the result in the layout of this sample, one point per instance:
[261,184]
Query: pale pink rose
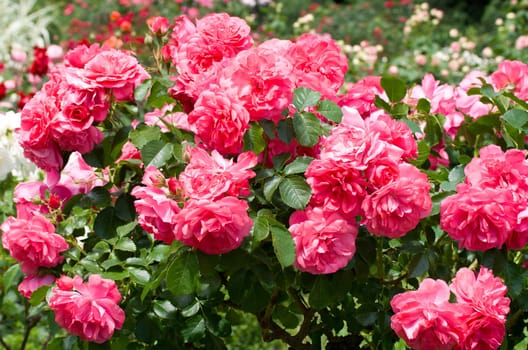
[18,55]
[318,64]
[157,213]
[261,80]
[89,310]
[166,118]
[33,243]
[279,46]
[425,319]
[336,186]
[78,176]
[470,104]
[362,95]
[55,52]
[153,177]
[396,208]
[214,227]
[34,134]
[485,295]
[212,176]
[521,42]
[205,3]
[511,75]
[223,29]
[116,70]
[479,219]
[324,240]
[33,282]
[220,121]
[29,198]
[128,152]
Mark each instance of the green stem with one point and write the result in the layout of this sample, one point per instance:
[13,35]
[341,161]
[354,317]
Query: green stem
[4,344]
[379,259]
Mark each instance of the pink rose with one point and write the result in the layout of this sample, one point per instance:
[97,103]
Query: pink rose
[33,242]
[78,176]
[261,80]
[479,219]
[157,213]
[158,25]
[512,73]
[318,64]
[89,310]
[33,282]
[488,305]
[222,29]
[324,240]
[116,70]
[220,121]
[214,227]
[212,176]
[396,208]
[362,94]
[394,132]
[165,118]
[425,319]
[336,186]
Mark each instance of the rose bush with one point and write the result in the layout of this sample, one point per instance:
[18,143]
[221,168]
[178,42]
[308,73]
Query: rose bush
[243,178]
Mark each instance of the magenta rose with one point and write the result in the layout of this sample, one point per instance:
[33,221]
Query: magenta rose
[220,121]
[324,240]
[425,319]
[33,282]
[214,227]
[89,310]
[33,243]
[396,208]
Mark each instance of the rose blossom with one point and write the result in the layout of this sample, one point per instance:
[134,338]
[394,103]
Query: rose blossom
[425,319]
[116,70]
[396,208]
[33,282]
[318,64]
[232,32]
[261,80]
[33,242]
[479,219]
[89,310]
[512,74]
[214,227]
[485,295]
[362,95]
[220,121]
[325,241]
[165,117]
[212,176]
[336,186]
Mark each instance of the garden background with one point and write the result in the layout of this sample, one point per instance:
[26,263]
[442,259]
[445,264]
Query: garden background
[255,297]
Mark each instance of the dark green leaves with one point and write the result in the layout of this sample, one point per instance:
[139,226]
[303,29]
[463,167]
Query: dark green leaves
[394,88]
[183,273]
[307,128]
[295,192]
[305,97]
[283,245]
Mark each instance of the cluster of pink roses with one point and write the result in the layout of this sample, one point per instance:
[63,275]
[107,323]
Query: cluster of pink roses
[360,171]
[201,207]
[62,115]
[224,82]
[426,319]
[490,208]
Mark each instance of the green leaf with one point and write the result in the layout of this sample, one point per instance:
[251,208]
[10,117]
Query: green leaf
[307,128]
[10,276]
[283,245]
[434,129]
[270,186]
[400,110]
[106,223]
[183,273]
[394,88]
[139,276]
[321,294]
[287,318]
[423,153]
[456,176]
[126,229]
[144,134]
[382,104]
[295,192]
[285,130]
[156,153]
[423,106]
[39,295]
[159,253]
[517,118]
[142,90]
[254,139]
[163,309]
[298,166]
[158,95]
[193,328]
[99,196]
[305,97]
[125,244]
[419,265]
[260,229]
[415,128]
[330,110]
